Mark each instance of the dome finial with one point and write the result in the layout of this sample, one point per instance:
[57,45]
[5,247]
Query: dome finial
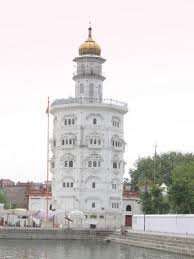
[90,31]
[89,47]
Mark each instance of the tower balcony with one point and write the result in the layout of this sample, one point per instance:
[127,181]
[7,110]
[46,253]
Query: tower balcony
[84,101]
[88,75]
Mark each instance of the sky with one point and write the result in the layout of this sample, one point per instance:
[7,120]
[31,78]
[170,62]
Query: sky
[149,47]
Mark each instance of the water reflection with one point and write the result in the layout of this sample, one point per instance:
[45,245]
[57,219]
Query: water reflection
[50,249]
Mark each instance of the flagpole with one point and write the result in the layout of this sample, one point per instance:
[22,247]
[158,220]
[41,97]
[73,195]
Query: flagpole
[47,171]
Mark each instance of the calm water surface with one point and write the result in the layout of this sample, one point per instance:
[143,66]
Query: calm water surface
[76,250]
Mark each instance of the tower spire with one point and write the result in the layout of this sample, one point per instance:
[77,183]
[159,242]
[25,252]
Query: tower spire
[90,31]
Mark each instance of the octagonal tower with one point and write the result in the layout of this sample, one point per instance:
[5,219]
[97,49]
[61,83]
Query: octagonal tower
[88,145]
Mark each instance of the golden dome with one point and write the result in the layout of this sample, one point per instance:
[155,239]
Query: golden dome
[89,47]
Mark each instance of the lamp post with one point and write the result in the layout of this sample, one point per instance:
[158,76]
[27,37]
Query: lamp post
[144,216]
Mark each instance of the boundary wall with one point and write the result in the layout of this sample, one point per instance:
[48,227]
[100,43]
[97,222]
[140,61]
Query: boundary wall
[169,223]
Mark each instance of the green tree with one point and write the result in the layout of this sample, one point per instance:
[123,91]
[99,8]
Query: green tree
[153,202]
[146,202]
[181,191]
[157,169]
[3,199]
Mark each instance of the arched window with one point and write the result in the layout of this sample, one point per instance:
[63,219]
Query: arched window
[95,121]
[128,208]
[81,88]
[70,163]
[89,163]
[114,164]
[63,142]
[94,164]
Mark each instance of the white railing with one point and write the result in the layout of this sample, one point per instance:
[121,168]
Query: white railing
[85,100]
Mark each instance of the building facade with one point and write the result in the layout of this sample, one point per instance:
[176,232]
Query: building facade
[88,144]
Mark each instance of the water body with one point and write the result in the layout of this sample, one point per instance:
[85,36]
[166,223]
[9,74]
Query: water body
[51,249]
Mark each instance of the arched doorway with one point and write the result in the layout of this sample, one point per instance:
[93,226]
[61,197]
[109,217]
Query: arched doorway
[128,218]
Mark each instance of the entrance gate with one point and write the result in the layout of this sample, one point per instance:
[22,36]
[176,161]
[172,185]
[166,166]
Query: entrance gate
[128,220]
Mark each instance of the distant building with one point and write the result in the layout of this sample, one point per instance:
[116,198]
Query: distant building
[6,182]
[18,195]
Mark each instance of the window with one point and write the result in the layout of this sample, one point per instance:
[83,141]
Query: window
[99,142]
[91,91]
[101,217]
[81,88]
[115,123]
[93,216]
[69,121]
[114,186]
[94,141]
[115,205]
[63,142]
[94,121]
[68,185]
[93,205]
[114,164]
[94,164]
[54,143]
[70,142]
[53,164]
[93,185]
[70,163]
[66,141]
[128,208]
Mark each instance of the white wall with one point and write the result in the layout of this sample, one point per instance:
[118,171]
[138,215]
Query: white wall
[179,224]
[38,203]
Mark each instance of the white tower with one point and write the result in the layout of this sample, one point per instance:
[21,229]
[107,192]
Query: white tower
[88,145]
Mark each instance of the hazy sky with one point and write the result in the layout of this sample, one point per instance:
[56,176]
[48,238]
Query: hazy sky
[149,47]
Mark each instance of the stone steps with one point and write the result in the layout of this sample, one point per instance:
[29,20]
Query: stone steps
[168,243]
[160,239]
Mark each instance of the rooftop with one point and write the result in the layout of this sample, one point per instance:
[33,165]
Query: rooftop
[91,101]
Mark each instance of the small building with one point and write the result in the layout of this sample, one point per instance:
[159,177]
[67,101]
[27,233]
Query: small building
[37,200]
[131,207]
